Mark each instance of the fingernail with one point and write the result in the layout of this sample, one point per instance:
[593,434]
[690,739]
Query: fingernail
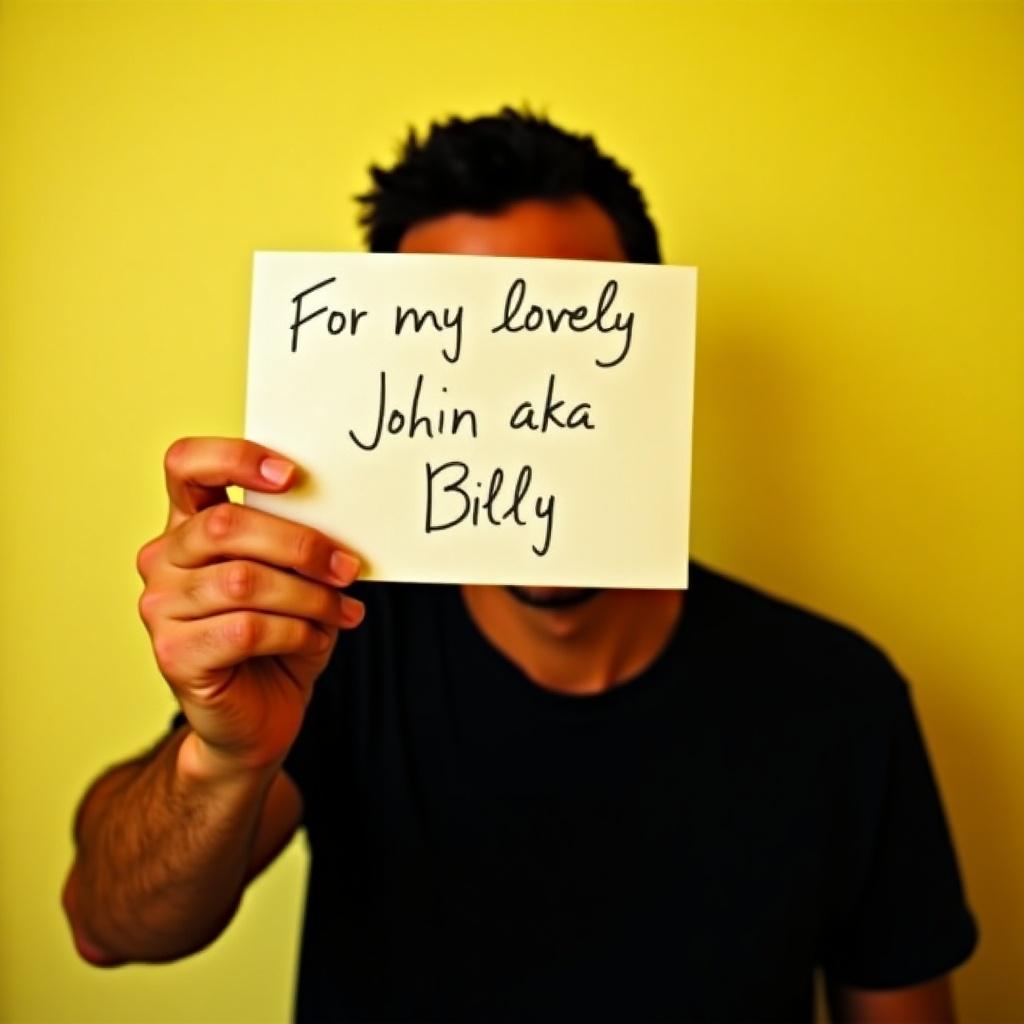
[277,471]
[352,611]
[344,567]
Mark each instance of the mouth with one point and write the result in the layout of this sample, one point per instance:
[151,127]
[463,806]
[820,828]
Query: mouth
[553,597]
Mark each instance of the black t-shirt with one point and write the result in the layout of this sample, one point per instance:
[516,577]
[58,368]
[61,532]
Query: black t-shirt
[689,846]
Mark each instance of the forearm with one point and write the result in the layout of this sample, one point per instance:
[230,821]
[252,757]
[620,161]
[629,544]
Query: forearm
[163,848]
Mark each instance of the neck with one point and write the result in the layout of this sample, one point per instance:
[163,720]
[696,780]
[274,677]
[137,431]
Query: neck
[583,649]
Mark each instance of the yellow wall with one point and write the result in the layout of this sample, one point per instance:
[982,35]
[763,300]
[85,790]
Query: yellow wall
[847,176]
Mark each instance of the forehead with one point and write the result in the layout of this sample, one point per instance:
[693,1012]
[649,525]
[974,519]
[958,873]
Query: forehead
[575,228]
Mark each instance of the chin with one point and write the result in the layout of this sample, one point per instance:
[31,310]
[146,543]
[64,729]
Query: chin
[553,597]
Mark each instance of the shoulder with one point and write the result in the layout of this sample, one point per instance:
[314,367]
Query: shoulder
[798,655]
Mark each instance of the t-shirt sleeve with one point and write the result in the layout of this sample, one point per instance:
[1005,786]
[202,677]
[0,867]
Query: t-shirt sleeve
[908,921]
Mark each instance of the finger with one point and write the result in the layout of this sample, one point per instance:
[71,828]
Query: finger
[199,470]
[149,556]
[228,531]
[243,585]
[191,650]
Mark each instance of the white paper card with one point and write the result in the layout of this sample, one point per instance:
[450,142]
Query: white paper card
[480,419]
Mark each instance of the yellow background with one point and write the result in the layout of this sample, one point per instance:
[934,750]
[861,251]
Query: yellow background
[847,176]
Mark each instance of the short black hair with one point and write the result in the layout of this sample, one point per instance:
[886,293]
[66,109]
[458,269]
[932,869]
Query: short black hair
[484,164]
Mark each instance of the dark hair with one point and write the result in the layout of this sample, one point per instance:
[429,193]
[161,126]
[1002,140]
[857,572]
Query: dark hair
[483,164]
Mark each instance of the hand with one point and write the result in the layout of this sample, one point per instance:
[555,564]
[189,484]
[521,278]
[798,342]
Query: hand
[241,606]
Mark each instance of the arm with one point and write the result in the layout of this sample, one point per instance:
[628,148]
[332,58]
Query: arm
[928,1003]
[165,849]
[243,611]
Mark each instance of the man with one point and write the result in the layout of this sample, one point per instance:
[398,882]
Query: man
[521,803]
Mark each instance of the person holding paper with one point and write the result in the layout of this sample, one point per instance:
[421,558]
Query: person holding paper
[528,803]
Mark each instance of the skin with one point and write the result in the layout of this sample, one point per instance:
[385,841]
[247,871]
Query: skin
[243,610]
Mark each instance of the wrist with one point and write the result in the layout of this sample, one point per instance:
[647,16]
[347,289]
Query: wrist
[199,763]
